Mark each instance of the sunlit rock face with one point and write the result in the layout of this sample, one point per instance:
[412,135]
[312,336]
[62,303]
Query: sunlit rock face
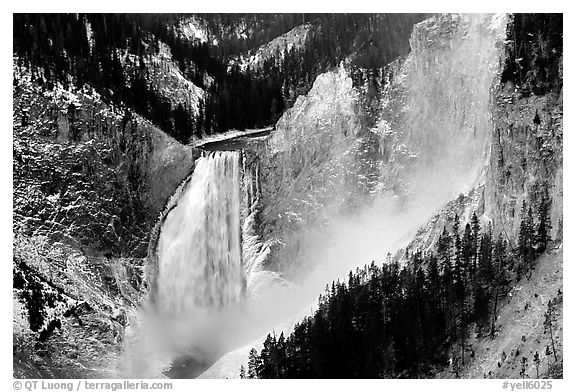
[526,158]
[436,121]
[305,162]
[422,141]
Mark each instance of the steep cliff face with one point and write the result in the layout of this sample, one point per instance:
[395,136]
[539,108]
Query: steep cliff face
[87,170]
[399,142]
[89,182]
[303,165]
[524,164]
[70,310]
[439,100]
[526,156]
[436,121]
[525,136]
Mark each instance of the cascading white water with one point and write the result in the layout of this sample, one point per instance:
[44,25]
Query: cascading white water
[199,251]
[200,283]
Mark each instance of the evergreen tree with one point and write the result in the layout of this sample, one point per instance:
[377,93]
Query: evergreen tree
[444,246]
[485,267]
[523,365]
[254,364]
[549,322]
[475,239]
[525,248]
[536,360]
[543,230]
[500,280]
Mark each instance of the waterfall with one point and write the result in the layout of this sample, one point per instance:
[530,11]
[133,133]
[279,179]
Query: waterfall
[199,250]
[199,287]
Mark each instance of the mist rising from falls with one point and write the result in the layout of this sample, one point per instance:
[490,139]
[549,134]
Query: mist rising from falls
[327,174]
[436,116]
[323,211]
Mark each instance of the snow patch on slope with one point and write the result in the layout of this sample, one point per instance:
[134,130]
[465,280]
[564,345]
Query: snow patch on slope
[192,29]
[275,49]
[165,77]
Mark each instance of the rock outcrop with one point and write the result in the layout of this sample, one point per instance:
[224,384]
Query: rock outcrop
[90,180]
